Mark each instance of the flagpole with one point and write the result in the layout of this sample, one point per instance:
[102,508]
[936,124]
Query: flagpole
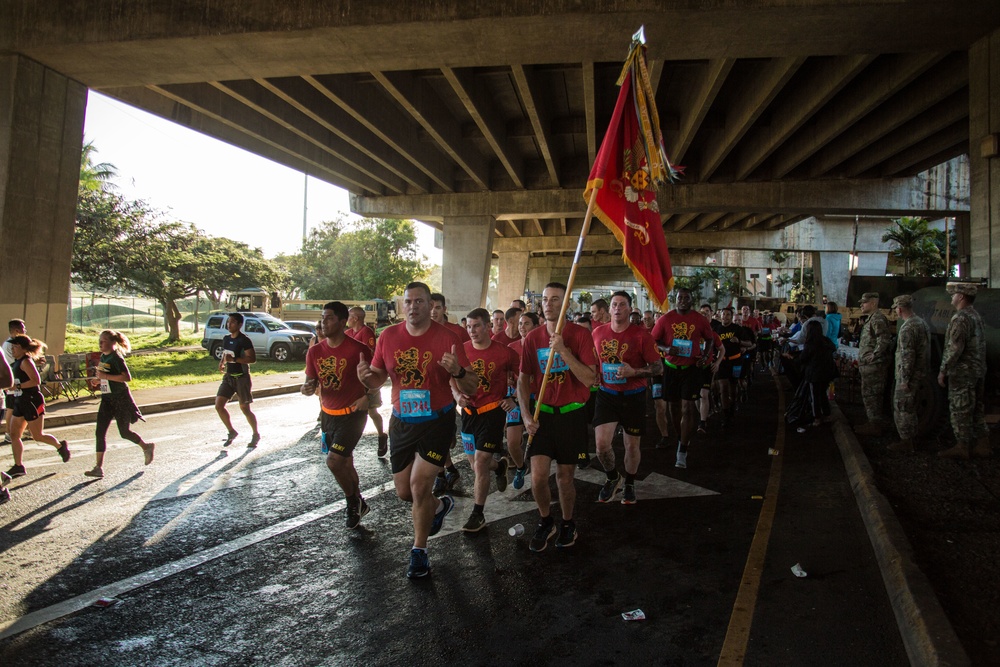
[562,310]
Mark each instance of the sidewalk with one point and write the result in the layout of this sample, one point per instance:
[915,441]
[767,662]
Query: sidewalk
[165,399]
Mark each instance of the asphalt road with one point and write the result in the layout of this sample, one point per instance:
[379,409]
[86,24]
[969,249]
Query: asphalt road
[239,557]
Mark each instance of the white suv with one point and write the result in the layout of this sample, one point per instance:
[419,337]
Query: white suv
[270,336]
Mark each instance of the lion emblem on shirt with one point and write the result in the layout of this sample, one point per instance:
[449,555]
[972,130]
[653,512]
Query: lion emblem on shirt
[411,369]
[613,350]
[331,370]
[485,373]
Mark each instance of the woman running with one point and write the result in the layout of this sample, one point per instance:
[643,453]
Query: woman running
[116,399]
[29,405]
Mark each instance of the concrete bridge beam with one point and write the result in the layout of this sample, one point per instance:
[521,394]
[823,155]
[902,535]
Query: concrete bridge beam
[984,157]
[465,268]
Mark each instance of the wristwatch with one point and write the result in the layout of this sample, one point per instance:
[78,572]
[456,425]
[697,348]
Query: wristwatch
[461,374]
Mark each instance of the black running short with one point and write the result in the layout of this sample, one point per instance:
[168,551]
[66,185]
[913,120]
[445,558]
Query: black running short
[30,405]
[730,369]
[562,437]
[629,410]
[342,432]
[430,439]
[682,384]
[483,432]
[236,384]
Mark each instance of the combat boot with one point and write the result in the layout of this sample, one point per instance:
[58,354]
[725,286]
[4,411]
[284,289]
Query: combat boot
[959,451]
[869,428]
[982,447]
[903,445]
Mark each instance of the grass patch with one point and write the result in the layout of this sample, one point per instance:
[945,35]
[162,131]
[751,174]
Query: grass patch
[170,369]
[77,342]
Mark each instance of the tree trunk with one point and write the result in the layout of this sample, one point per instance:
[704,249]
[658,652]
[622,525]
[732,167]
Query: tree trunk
[172,317]
[197,298]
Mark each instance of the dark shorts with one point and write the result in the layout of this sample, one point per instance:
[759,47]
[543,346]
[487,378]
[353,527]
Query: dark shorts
[29,406]
[514,417]
[8,401]
[629,410]
[342,432]
[730,369]
[682,384]
[562,437]
[483,433]
[430,439]
[707,375]
[236,384]
[590,406]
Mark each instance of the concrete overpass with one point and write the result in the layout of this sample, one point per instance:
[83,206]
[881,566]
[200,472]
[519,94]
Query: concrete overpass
[483,118]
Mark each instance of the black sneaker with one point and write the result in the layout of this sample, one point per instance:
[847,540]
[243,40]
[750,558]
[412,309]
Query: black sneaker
[450,479]
[16,471]
[439,516]
[254,441]
[501,473]
[420,564]
[63,450]
[4,479]
[543,533]
[628,494]
[354,513]
[703,428]
[229,438]
[609,490]
[4,495]
[567,535]
[475,523]
[383,444]
[664,443]
[584,462]
[440,486]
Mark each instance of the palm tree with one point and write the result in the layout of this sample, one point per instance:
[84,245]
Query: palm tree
[94,177]
[913,241]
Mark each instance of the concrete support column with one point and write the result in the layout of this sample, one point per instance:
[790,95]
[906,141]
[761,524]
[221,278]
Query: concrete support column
[41,137]
[465,269]
[872,263]
[832,271]
[513,276]
[984,157]
[539,277]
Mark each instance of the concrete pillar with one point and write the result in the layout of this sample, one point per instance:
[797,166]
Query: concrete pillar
[539,277]
[832,271]
[513,276]
[984,157]
[41,138]
[872,263]
[465,269]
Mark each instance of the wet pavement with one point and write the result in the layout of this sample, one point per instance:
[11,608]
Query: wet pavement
[237,557]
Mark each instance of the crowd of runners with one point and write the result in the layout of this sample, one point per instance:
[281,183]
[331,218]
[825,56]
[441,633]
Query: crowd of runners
[485,380]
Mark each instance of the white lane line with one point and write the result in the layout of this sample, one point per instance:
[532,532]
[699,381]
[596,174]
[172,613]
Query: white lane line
[80,602]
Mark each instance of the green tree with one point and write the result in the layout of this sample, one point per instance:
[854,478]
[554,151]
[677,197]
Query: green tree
[95,177]
[913,244]
[584,298]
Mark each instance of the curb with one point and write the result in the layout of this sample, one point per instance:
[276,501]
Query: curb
[925,629]
[167,406]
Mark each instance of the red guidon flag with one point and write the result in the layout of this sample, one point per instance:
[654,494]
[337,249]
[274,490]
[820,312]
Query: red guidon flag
[629,164]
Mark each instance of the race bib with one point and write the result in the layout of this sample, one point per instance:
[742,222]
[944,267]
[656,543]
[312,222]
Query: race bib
[415,403]
[105,387]
[469,443]
[609,374]
[558,365]
[514,416]
[657,390]
[683,347]
[737,371]
[765,331]
[17,387]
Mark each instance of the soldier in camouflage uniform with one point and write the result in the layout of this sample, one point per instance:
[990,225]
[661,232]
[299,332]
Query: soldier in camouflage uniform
[963,371]
[874,359]
[912,361]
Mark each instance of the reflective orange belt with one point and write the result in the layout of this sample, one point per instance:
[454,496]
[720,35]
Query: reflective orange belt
[481,410]
[735,356]
[341,412]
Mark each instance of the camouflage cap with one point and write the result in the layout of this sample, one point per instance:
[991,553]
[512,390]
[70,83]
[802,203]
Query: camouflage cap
[868,296]
[968,289]
[903,301]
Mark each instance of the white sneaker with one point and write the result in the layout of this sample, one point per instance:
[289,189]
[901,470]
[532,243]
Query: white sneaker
[682,460]
[97,472]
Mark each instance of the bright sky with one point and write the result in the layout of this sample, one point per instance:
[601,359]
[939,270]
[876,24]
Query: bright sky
[223,190]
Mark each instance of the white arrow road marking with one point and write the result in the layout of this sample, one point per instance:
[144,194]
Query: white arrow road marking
[654,487]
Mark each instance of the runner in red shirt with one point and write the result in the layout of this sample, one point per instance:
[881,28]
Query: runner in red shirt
[705,398]
[561,430]
[509,334]
[421,358]
[628,358]
[736,339]
[359,331]
[515,421]
[484,412]
[499,322]
[439,313]
[331,367]
[681,331]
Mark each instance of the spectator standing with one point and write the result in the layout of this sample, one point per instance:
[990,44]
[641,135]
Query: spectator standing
[912,361]
[963,372]
[874,355]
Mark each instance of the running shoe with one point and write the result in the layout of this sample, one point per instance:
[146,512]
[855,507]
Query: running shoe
[628,494]
[447,505]
[584,462]
[475,523]
[567,535]
[518,482]
[703,427]
[147,452]
[96,473]
[439,485]
[501,473]
[4,479]
[450,479]
[63,450]
[4,495]
[664,443]
[254,441]
[682,460]
[420,564]
[609,489]
[383,444]
[354,513]
[543,533]
[229,438]
[6,439]
[16,471]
